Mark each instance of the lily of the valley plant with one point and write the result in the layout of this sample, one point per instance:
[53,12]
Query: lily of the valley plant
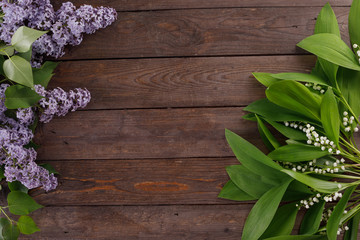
[317,168]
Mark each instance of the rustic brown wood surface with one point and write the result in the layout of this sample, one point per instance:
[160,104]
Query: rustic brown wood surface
[204,32]
[146,159]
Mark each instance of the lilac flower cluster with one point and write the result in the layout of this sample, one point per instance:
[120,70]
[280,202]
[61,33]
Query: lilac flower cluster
[66,26]
[18,160]
[58,102]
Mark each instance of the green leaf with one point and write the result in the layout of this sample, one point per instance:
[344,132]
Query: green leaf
[3,223]
[301,77]
[353,225]
[252,158]
[331,48]
[295,96]
[17,186]
[26,55]
[297,191]
[297,153]
[243,178]
[330,117]
[6,50]
[273,112]
[335,217]
[326,21]
[318,184]
[9,230]
[349,85]
[18,96]
[265,79]
[312,219]
[21,204]
[19,70]
[288,131]
[267,137]
[283,221]
[354,22]
[27,225]
[2,171]
[298,237]
[263,212]
[44,74]
[232,192]
[24,37]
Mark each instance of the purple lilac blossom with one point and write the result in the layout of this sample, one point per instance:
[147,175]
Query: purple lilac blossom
[57,102]
[19,161]
[66,26]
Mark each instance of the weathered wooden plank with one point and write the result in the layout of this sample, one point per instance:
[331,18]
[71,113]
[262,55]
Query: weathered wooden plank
[140,222]
[138,182]
[205,32]
[136,5]
[174,82]
[131,134]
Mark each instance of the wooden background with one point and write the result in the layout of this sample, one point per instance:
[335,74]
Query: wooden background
[147,158]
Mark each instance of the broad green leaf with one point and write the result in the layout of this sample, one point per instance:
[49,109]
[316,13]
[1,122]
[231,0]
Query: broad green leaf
[354,22]
[298,237]
[21,204]
[243,179]
[318,184]
[335,217]
[263,212]
[27,225]
[297,153]
[3,223]
[6,50]
[353,225]
[330,70]
[265,79]
[24,37]
[232,192]
[18,96]
[330,117]
[331,48]
[326,23]
[288,131]
[250,117]
[273,112]
[301,77]
[319,71]
[267,137]
[295,96]
[297,191]
[9,230]
[349,85]
[252,158]
[312,219]
[19,70]
[44,74]
[26,55]
[283,221]
[17,186]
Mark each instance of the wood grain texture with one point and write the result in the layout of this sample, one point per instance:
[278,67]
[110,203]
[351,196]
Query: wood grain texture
[174,82]
[205,32]
[138,182]
[140,222]
[136,5]
[131,134]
